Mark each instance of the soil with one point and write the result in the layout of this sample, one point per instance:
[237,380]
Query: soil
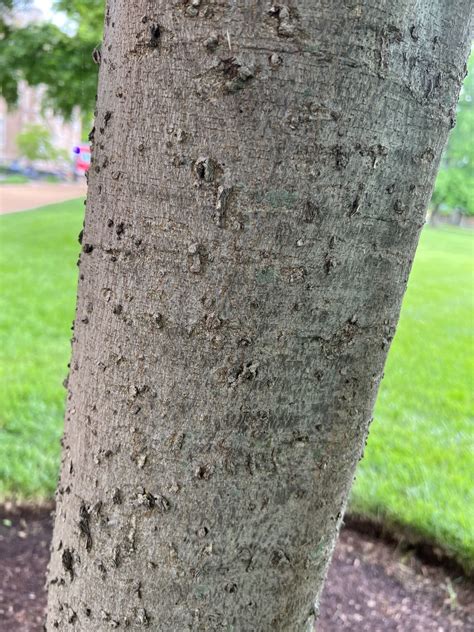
[23,197]
[372,585]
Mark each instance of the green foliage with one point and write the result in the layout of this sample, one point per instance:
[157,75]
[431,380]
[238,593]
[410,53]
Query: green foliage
[44,54]
[7,5]
[34,143]
[85,13]
[455,183]
[454,190]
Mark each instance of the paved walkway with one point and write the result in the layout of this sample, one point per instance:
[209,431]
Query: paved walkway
[22,197]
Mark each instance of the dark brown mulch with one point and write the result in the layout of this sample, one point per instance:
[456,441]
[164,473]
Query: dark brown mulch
[24,552]
[377,587]
[372,586]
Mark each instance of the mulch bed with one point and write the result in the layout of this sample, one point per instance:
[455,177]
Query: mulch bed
[372,585]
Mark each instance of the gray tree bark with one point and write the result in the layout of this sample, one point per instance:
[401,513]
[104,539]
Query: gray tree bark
[260,177]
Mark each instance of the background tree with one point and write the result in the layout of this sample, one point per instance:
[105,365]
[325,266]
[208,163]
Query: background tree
[260,176]
[34,143]
[42,53]
[455,182]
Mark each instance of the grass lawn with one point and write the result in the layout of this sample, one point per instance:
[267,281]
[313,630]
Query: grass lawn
[418,467]
[38,253]
[14,179]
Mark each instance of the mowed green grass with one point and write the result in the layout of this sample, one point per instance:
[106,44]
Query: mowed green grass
[38,273]
[14,179]
[418,467]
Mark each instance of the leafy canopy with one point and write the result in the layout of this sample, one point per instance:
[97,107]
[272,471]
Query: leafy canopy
[455,183]
[34,143]
[42,53]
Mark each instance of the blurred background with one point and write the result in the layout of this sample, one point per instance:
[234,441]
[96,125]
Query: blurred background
[416,477]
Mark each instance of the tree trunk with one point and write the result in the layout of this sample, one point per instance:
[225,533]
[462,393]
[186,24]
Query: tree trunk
[260,177]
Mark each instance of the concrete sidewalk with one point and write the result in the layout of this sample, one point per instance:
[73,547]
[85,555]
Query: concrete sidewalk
[23,197]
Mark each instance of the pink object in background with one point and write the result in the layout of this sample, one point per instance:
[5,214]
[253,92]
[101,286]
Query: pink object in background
[82,159]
